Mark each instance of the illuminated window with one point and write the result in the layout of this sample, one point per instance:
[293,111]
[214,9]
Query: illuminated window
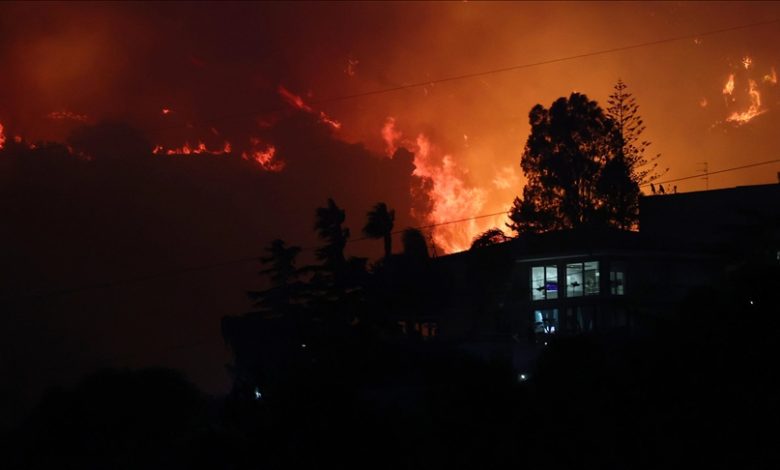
[617,279]
[546,321]
[582,279]
[544,282]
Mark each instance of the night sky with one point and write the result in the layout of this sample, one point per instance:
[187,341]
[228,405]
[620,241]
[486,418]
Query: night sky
[269,91]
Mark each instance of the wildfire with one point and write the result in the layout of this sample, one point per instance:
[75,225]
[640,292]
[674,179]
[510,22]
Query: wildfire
[747,62]
[771,77]
[753,110]
[506,178]
[728,88]
[62,115]
[390,135]
[265,155]
[297,102]
[186,149]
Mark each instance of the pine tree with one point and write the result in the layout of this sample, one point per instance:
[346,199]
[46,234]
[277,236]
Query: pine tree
[624,112]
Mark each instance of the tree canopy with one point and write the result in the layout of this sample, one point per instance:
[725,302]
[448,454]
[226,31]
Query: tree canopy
[577,169]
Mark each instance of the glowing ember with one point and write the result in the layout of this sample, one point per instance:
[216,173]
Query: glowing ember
[265,155]
[166,111]
[728,88]
[747,62]
[329,121]
[186,149]
[67,115]
[297,102]
[771,77]
[753,110]
[703,102]
[294,99]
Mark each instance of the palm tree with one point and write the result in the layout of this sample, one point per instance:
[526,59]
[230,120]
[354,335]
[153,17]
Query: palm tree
[380,225]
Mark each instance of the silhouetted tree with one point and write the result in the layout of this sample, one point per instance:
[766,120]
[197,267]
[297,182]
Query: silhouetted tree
[282,273]
[624,112]
[576,172]
[489,237]
[328,225]
[380,225]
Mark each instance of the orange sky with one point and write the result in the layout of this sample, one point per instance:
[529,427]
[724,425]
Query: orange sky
[205,62]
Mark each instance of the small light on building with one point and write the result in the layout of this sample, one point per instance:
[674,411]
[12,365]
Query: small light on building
[751,302]
[545,343]
[522,377]
[303,345]
[258,395]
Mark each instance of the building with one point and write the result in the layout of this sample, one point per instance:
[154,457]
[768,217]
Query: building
[514,296]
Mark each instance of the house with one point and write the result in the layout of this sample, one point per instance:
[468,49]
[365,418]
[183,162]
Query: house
[512,297]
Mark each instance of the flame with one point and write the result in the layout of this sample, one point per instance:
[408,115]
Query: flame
[186,149]
[506,178]
[728,88]
[390,135]
[753,110]
[293,99]
[166,110]
[771,77]
[263,154]
[329,120]
[61,115]
[747,62]
[297,102]
[452,199]
[2,136]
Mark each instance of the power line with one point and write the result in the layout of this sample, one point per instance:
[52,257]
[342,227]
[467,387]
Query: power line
[699,175]
[246,259]
[483,73]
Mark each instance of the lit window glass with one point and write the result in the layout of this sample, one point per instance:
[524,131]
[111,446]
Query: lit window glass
[544,282]
[591,277]
[546,321]
[574,280]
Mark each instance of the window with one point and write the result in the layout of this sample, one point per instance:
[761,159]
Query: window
[546,321]
[617,279]
[544,282]
[582,279]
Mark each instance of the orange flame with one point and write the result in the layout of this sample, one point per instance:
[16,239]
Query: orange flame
[2,136]
[747,62]
[297,102]
[390,135]
[265,155]
[294,99]
[186,149]
[452,198]
[166,110]
[728,88]
[753,110]
[771,77]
